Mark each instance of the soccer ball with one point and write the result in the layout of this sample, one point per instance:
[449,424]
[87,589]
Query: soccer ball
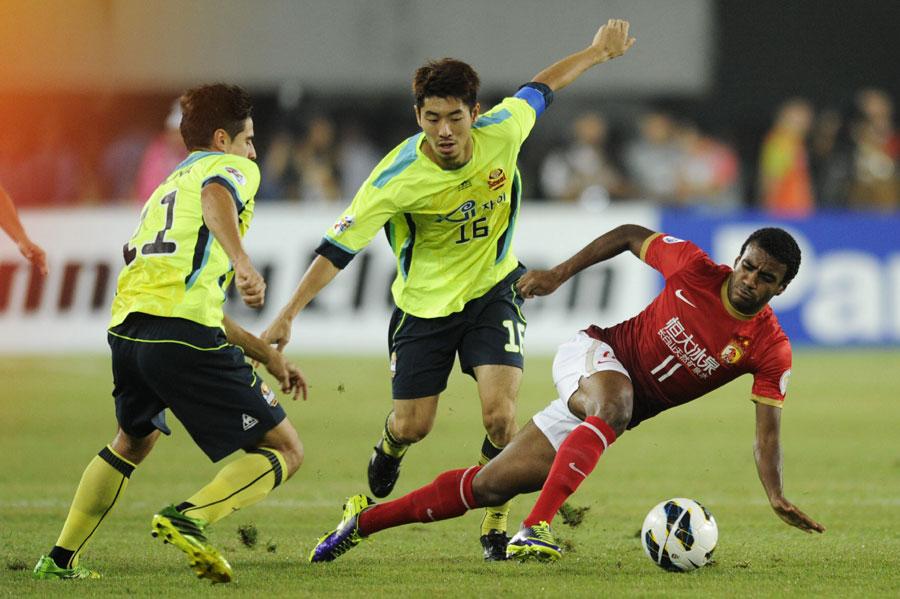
[679,535]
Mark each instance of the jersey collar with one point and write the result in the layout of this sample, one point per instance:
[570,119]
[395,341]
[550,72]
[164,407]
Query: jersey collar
[194,157]
[729,307]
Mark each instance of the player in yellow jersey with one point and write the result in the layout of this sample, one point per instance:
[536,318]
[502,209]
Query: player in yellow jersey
[173,347]
[448,199]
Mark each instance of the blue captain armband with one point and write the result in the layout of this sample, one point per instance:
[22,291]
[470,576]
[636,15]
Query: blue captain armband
[538,95]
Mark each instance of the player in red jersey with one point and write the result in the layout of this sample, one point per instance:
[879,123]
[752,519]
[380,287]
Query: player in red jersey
[709,325]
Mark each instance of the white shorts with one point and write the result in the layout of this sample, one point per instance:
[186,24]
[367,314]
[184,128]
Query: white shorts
[581,356]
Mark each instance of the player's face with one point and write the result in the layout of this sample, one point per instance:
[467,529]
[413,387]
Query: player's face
[242,143]
[757,278]
[447,123]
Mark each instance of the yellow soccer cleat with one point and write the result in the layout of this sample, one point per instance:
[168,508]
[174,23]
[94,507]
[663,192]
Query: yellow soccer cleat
[47,569]
[186,534]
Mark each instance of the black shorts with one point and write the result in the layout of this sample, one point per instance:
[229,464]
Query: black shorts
[191,369]
[488,330]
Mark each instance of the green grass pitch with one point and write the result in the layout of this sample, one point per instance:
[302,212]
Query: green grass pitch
[841,438]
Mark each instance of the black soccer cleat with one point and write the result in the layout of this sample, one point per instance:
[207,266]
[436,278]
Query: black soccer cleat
[384,470]
[494,545]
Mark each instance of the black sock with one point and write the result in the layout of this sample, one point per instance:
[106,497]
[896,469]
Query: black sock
[61,556]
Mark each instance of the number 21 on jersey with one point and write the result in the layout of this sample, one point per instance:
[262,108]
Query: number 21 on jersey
[159,245]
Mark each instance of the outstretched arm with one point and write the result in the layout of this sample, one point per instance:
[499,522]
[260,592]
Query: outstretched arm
[9,222]
[609,42]
[767,451]
[317,276]
[613,243]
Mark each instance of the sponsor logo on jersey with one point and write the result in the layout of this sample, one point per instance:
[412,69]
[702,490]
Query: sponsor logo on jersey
[783,383]
[496,179]
[268,394]
[687,349]
[343,223]
[463,213]
[670,239]
[236,175]
[680,295]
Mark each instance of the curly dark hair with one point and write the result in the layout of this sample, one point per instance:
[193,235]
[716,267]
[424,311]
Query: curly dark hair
[446,78]
[779,244]
[210,107]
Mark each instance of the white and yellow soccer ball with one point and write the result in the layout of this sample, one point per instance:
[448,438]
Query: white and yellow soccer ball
[679,535]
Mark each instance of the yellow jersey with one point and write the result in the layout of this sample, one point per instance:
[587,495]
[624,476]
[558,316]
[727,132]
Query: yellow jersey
[451,230]
[174,267]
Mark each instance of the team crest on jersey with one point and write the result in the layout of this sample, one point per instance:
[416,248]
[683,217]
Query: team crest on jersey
[496,179]
[268,394]
[670,239]
[344,223]
[734,351]
[783,383]
[236,175]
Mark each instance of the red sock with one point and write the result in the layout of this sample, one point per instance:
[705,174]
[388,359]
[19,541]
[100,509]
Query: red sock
[449,496]
[575,460]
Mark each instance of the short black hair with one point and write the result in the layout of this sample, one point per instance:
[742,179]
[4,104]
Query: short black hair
[208,108]
[446,78]
[779,244]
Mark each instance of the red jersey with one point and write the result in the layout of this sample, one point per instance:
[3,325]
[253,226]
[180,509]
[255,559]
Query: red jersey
[691,340]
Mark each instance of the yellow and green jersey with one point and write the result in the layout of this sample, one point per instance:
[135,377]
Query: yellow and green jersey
[451,230]
[174,267]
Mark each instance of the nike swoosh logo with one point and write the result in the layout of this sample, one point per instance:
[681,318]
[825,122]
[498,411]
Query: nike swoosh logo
[431,515]
[575,468]
[680,295]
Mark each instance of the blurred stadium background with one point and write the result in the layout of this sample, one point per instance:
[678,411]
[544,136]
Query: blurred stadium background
[86,90]
[87,86]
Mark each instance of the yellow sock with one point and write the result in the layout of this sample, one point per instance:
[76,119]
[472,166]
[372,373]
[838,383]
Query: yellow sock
[389,444]
[240,483]
[103,482]
[495,518]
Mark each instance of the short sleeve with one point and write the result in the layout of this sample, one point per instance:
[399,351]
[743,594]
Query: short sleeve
[669,254]
[358,224]
[514,117]
[770,382]
[240,176]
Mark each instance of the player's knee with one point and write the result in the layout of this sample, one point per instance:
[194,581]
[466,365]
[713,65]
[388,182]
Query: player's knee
[134,449]
[613,406]
[616,410]
[410,430]
[488,493]
[293,457]
[285,440]
[500,427]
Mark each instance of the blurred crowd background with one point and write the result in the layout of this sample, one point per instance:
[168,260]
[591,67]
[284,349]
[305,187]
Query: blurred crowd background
[799,117]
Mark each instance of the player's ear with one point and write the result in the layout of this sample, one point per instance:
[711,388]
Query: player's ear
[475,112]
[418,114]
[220,140]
